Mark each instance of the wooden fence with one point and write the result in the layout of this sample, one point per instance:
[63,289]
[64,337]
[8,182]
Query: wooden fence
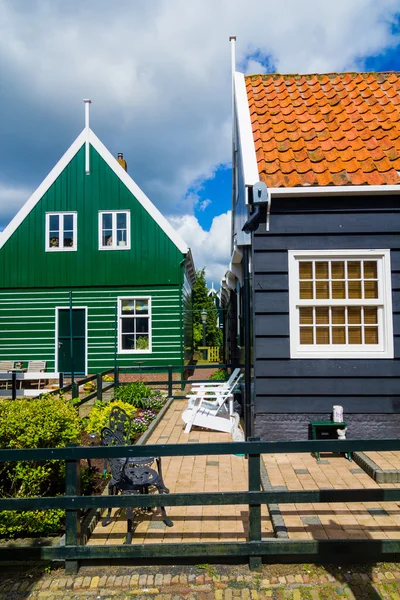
[255,549]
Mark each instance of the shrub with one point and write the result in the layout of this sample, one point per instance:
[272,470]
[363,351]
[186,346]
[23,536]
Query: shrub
[219,375]
[100,414]
[134,393]
[48,422]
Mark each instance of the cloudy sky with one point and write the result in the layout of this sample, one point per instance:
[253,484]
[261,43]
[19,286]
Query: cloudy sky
[158,73]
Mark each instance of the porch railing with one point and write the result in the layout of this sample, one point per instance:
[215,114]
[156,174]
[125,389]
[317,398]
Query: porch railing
[255,549]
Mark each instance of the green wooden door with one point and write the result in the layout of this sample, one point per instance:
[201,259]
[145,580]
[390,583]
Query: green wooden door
[78,340]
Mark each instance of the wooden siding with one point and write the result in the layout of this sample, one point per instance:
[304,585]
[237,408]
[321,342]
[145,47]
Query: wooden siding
[313,386]
[187,319]
[27,325]
[153,257]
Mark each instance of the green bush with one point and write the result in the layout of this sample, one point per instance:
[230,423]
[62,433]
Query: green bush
[219,375]
[134,393]
[49,422]
[100,414]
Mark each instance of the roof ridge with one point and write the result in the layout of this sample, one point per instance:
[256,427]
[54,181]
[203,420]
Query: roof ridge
[327,74]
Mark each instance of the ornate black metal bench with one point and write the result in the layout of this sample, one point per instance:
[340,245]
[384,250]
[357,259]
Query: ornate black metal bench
[130,475]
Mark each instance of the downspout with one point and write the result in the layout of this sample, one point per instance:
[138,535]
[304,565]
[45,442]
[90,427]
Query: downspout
[248,426]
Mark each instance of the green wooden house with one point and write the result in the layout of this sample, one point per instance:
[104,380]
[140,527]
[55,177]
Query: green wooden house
[90,230]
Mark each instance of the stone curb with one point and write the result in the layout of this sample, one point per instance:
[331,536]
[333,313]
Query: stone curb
[278,524]
[372,469]
[187,584]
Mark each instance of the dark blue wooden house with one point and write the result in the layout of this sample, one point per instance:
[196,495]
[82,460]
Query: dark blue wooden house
[315,276]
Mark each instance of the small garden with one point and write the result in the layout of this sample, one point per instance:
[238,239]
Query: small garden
[53,422]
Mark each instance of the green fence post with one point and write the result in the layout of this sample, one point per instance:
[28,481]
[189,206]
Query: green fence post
[73,517]
[170,392]
[13,385]
[99,386]
[116,377]
[75,390]
[255,562]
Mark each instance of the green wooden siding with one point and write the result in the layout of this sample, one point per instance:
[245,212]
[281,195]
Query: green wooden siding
[28,327]
[153,257]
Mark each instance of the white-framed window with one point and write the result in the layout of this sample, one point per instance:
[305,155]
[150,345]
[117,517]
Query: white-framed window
[61,231]
[114,230]
[340,304]
[134,325]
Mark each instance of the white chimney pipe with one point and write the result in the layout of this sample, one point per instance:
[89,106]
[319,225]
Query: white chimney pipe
[87,144]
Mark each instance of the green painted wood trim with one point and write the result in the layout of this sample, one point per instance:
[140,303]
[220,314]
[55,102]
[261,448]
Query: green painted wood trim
[203,499]
[200,449]
[358,550]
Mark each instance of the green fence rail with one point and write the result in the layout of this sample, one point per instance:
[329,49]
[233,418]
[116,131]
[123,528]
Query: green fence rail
[255,549]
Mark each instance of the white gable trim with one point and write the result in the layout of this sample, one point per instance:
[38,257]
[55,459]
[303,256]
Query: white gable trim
[245,131]
[138,193]
[118,170]
[42,189]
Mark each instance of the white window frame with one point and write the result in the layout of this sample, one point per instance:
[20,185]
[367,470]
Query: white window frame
[73,248]
[120,317]
[114,229]
[385,347]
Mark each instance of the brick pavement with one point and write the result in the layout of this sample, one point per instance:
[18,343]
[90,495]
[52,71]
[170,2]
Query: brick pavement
[376,520]
[387,461]
[205,582]
[190,474]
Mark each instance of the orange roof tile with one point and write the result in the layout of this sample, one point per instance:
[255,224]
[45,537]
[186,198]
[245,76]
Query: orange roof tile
[332,129]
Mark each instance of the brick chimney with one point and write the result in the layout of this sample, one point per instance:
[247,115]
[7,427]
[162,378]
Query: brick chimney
[122,161]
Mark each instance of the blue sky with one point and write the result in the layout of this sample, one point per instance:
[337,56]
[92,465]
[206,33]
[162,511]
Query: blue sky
[158,74]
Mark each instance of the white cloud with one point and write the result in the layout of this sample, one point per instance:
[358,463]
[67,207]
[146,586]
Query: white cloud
[204,204]
[11,200]
[211,249]
[159,76]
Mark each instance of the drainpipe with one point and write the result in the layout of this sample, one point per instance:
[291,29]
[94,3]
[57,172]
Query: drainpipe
[248,427]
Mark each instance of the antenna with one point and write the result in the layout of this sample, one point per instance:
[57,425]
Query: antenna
[87,129]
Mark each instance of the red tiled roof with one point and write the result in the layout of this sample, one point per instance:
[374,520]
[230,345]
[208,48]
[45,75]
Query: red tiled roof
[321,130]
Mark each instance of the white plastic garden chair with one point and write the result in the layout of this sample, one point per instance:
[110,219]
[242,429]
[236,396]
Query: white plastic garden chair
[233,379]
[211,408]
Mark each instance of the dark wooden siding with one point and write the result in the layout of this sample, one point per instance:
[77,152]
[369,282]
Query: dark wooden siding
[312,386]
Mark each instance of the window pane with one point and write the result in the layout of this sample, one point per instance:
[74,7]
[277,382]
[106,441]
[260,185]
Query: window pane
[354,315]
[107,221]
[306,335]
[68,239]
[142,325]
[54,239]
[68,223]
[322,290]
[321,270]
[354,269]
[306,316]
[354,335]
[338,290]
[121,220]
[305,270]
[371,335]
[128,325]
[306,290]
[128,342]
[337,268]
[121,237]
[371,315]
[128,305]
[54,221]
[370,269]
[338,335]
[371,289]
[142,306]
[322,335]
[354,290]
[322,316]
[106,237]
[338,316]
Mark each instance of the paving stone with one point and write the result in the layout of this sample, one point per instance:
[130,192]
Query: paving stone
[254,594]
[302,471]
[158,579]
[86,582]
[134,580]
[265,583]
[310,520]
[142,580]
[212,463]
[377,512]
[157,525]
[167,579]
[296,594]
[357,471]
